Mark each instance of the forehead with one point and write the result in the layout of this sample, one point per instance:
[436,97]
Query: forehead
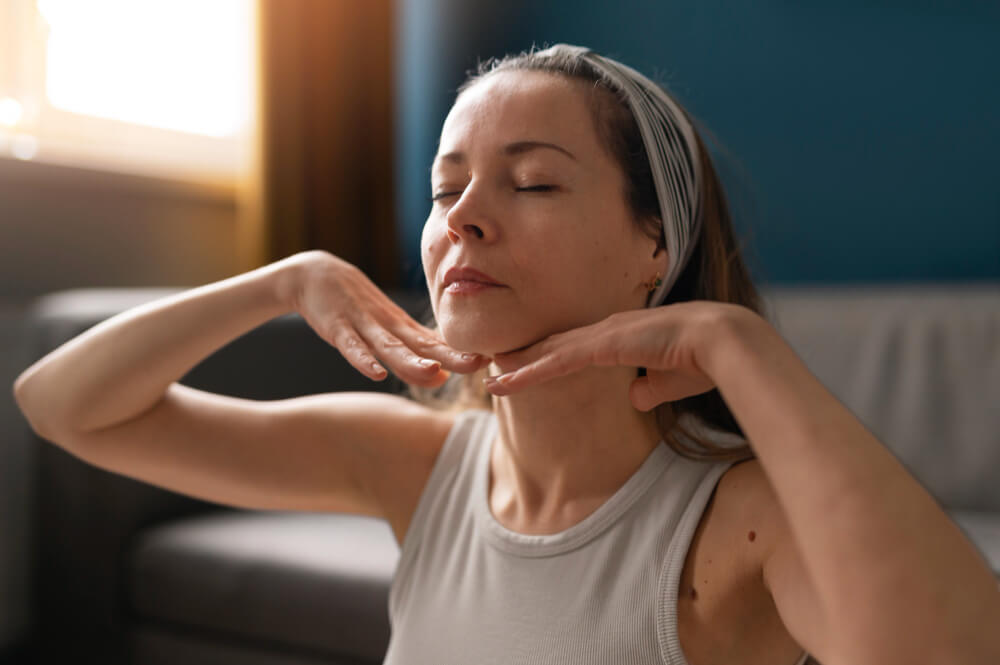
[514,106]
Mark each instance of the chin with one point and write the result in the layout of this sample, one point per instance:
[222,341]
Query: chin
[470,340]
[478,336]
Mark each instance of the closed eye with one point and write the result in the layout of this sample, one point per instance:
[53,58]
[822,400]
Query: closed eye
[534,188]
[443,195]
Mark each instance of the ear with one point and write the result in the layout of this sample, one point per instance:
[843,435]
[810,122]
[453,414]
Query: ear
[662,259]
[659,259]
[656,260]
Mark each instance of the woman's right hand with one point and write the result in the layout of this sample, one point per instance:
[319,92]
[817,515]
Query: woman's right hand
[346,309]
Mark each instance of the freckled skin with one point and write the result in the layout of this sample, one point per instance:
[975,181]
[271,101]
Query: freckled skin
[556,252]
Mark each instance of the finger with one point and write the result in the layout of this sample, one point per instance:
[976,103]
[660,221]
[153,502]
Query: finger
[535,351]
[558,355]
[356,352]
[593,337]
[641,394]
[649,391]
[426,345]
[423,341]
[406,364]
[560,361]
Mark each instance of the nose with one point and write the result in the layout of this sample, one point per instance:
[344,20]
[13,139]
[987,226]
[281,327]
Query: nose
[470,218]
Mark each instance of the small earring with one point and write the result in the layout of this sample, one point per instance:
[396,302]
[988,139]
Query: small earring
[653,283]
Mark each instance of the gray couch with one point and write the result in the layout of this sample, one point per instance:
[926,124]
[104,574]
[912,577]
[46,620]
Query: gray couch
[128,573]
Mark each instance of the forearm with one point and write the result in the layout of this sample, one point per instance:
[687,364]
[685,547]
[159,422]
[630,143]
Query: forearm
[893,570]
[122,366]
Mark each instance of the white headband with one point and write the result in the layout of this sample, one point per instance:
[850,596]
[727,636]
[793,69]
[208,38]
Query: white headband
[673,157]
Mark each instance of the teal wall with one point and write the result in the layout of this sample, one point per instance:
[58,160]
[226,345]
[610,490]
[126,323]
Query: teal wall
[865,138]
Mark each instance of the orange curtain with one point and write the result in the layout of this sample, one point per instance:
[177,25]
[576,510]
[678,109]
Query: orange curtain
[324,175]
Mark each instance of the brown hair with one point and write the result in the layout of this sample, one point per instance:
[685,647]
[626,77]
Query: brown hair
[715,271]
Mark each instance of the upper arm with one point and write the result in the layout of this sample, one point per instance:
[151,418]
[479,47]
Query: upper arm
[360,452]
[785,575]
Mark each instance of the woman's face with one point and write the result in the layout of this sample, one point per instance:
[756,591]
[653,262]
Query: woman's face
[525,193]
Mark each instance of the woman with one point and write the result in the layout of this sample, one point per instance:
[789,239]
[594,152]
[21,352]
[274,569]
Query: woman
[596,512]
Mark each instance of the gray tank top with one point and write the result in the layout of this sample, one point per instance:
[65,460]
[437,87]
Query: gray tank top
[469,591]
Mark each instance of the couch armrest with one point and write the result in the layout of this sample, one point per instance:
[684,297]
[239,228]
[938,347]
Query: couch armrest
[86,518]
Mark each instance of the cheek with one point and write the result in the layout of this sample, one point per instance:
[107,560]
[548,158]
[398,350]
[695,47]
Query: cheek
[430,253]
[430,261]
[594,264]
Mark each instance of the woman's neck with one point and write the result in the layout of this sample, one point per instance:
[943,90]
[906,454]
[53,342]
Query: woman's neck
[564,447]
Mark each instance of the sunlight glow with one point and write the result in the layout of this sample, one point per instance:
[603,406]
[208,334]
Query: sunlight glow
[172,64]
[10,111]
[24,146]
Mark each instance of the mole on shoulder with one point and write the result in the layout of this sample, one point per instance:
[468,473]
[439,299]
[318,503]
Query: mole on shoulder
[694,594]
[752,535]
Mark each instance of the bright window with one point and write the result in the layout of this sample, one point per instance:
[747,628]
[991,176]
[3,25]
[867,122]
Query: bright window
[157,86]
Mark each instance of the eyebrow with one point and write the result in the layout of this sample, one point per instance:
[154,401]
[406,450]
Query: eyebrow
[518,148]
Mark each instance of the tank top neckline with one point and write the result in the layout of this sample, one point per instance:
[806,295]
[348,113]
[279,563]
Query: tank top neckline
[578,535]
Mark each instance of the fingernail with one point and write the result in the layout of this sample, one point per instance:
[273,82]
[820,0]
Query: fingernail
[469,357]
[502,379]
[427,362]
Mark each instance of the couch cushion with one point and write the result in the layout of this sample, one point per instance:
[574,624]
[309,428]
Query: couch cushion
[983,529]
[317,582]
[919,365]
[158,645]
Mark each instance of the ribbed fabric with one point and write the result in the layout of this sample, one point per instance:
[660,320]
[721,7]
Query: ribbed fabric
[469,591]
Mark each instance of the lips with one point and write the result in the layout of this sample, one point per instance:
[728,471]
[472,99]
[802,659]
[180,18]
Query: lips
[467,274]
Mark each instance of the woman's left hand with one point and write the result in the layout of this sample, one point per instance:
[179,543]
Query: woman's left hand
[668,341]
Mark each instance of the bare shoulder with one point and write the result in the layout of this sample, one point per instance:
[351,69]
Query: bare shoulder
[737,522]
[725,611]
[400,471]
[398,442]
[753,515]
[747,491]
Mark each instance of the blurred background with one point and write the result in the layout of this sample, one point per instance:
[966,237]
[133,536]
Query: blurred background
[177,142]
